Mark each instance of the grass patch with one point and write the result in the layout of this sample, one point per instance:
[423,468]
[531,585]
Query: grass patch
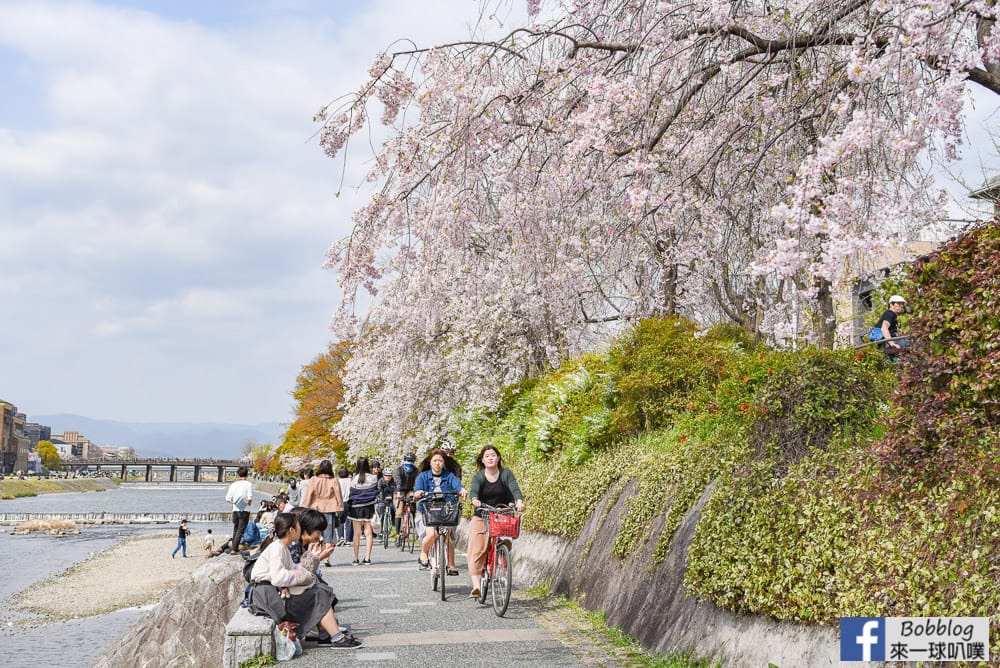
[12,488]
[259,661]
[625,649]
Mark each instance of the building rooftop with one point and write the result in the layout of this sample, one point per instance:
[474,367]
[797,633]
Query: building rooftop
[988,191]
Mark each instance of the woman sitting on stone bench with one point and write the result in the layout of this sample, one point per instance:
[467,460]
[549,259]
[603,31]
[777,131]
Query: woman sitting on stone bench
[287,592]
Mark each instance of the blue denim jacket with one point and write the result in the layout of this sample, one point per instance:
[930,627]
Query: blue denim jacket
[449,484]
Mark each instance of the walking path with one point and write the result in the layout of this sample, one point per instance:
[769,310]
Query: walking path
[390,606]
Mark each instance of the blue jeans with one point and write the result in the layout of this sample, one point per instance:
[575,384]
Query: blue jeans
[330,535]
[182,545]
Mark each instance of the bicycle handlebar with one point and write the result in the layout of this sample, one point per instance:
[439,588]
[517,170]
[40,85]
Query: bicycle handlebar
[501,510]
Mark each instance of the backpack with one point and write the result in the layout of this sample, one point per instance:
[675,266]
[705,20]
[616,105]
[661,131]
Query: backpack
[248,566]
[875,334]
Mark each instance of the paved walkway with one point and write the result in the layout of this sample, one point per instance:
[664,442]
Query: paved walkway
[390,606]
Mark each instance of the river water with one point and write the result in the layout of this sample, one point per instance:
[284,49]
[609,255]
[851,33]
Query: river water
[30,559]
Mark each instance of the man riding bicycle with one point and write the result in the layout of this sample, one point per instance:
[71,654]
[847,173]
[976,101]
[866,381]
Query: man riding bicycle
[404,477]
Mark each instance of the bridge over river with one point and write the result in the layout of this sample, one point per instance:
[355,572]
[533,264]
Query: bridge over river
[221,467]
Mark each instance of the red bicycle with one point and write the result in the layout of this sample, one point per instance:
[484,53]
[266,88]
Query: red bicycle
[502,526]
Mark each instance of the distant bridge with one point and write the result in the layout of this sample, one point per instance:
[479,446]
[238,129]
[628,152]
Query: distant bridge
[221,466]
[115,518]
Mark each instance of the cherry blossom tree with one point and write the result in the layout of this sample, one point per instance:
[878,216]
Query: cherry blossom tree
[616,159]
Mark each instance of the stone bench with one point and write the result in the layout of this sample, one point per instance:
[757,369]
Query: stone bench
[247,636]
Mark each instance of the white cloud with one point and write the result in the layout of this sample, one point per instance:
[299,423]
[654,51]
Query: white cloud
[163,214]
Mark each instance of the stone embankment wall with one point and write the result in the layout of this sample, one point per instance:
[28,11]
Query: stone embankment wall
[188,626]
[652,606]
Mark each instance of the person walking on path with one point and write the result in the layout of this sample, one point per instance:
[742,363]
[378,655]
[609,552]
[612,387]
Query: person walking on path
[306,476]
[323,494]
[182,533]
[495,486]
[240,494]
[346,528]
[363,495]
[294,492]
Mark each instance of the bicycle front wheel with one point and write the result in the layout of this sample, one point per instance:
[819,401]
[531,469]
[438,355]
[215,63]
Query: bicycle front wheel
[501,580]
[413,531]
[484,587]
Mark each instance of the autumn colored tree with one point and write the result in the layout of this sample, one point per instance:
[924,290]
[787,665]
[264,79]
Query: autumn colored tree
[614,160]
[49,455]
[263,457]
[319,398]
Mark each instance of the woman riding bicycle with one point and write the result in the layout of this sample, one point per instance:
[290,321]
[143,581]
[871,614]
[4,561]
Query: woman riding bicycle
[495,486]
[436,480]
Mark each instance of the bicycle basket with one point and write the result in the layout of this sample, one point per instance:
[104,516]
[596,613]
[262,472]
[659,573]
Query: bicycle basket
[440,514]
[508,526]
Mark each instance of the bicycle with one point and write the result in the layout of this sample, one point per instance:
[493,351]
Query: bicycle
[407,535]
[502,526]
[440,514]
[388,522]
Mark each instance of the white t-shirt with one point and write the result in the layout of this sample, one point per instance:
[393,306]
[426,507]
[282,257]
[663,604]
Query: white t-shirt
[209,541]
[240,494]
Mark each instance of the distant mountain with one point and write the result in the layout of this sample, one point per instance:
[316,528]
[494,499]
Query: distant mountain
[166,439]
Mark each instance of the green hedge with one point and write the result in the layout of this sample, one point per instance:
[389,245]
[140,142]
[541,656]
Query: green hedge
[814,513]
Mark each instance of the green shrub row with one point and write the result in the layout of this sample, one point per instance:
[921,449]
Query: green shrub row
[842,485]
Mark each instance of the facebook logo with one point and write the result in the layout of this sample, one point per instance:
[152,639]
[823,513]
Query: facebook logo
[862,639]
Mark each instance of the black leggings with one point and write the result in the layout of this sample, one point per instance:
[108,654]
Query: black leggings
[241,518]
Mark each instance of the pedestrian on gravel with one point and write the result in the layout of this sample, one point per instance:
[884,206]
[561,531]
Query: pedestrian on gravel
[209,544]
[182,534]
[240,494]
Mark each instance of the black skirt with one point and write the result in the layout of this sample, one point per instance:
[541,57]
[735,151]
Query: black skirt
[362,514]
[305,609]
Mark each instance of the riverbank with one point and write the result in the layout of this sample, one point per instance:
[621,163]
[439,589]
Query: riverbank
[12,488]
[99,585]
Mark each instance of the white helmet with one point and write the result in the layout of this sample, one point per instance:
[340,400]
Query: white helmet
[896,299]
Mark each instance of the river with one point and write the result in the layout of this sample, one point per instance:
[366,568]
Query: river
[27,560]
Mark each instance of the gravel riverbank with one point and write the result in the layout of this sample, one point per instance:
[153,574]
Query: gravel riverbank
[136,572]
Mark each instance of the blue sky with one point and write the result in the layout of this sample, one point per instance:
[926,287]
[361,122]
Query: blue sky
[163,211]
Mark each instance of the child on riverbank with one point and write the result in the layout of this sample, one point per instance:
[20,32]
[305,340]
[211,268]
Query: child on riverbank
[209,545]
[182,533]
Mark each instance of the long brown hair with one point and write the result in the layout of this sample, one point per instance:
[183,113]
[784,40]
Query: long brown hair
[425,463]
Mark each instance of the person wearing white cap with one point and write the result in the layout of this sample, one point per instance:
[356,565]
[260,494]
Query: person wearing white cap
[888,323]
